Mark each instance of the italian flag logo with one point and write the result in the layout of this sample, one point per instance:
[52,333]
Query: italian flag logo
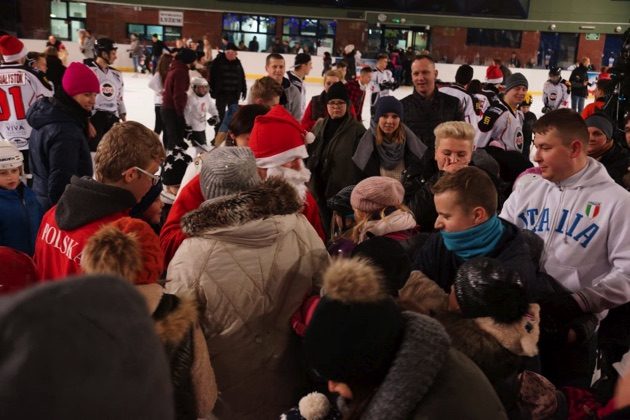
[592,209]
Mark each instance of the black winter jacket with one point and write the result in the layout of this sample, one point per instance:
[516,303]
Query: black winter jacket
[616,161]
[58,146]
[441,265]
[423,115]
[227,77]
[578,76]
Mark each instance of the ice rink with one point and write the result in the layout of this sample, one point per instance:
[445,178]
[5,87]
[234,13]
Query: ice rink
[140,107]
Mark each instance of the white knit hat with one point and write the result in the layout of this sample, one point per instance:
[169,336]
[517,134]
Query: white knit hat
[10,156]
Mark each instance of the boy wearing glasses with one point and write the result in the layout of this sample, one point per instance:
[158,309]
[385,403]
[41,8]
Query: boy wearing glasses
[126,161]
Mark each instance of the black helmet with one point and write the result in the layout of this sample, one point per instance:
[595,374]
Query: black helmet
[105,45]
[554,71]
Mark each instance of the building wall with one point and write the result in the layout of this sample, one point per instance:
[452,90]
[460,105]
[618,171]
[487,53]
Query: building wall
[351,32]
[450,42]
[591,49]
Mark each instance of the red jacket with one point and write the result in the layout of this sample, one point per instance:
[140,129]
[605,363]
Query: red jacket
[190,198]
[83,208]
[58,252]
[175,94]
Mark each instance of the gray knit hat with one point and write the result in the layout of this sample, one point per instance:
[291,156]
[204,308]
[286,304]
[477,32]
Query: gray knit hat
[516,79]
[602,122]
[227,170]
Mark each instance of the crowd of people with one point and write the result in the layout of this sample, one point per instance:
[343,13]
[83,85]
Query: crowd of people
[458,258]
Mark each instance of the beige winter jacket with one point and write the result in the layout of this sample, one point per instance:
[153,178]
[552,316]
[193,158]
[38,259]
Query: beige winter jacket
[250,260]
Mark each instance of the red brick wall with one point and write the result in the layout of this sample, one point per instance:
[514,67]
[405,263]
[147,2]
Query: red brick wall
[591,49]
[351,32]
[451,42]
[112,20]
[35,16]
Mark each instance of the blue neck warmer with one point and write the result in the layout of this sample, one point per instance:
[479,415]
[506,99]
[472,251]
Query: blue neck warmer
[476,241]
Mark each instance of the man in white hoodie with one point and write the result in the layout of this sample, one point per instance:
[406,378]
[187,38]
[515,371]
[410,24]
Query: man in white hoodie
[581,214]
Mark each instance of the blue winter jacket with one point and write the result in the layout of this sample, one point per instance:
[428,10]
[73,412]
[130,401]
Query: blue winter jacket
[58,146]
[20,216]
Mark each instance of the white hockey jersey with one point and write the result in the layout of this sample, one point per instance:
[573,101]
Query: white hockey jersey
[501,126]
[466,100]
[378,79]
[20,87]
[555,95]
[196,110]
[112,88]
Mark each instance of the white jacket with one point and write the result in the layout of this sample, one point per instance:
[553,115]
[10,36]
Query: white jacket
[584,223]
[554,94]
[467,102]
[196,109]
[501,126]
[155,84]
[110,99]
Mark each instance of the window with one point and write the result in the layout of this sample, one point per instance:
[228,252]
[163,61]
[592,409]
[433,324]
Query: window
[249,30]
[66,18]
[494,38]
[309,34]
[144,32]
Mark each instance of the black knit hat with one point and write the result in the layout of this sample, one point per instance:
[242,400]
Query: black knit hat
[174,166]
[337,91]
[357,328]
[386,105]
[390,257]
[486,288]
[154,192]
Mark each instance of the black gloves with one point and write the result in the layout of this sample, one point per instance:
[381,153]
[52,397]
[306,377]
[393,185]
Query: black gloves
[561,312]
[212,121]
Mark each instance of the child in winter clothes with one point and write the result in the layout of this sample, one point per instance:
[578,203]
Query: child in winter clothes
[198,106]
[528,123]
[130,249]
[489,319]
[20,211]
[555,91]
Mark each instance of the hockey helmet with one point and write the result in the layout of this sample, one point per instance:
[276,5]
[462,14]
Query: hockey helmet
[554,71]
[198,81]
[105,45]
[10,156]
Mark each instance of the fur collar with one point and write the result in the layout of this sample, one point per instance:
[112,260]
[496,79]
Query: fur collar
[172,328]
[520,337]
[272,197]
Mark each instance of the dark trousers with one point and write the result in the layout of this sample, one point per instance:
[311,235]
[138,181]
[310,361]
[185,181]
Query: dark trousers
[158,120]
[174,129]
[223,101]
[568,364]
[102,122]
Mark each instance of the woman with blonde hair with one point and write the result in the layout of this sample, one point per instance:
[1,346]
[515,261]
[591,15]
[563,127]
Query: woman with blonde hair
[390,147]
[377,203]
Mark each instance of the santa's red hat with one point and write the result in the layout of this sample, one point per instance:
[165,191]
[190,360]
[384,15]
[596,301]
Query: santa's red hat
[277,138]
[494,75]
[11,48]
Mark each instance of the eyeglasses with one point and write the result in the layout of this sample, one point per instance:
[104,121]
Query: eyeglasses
[336,103]
[154,178]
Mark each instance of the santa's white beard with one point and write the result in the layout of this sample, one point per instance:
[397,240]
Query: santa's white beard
[297,179]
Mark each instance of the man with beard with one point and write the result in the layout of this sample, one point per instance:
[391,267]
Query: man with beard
[279,146]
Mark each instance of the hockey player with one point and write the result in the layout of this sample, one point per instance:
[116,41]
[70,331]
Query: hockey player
[382,81]
[109,108]
[199,104]
[555,91]
[20,87]
[463,76]
[502,124]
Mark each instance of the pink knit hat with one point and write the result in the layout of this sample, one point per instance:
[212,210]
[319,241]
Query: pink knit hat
[376,193]
[78,78]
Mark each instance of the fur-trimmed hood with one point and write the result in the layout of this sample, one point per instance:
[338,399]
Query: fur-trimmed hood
[172,328]
[272,197]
